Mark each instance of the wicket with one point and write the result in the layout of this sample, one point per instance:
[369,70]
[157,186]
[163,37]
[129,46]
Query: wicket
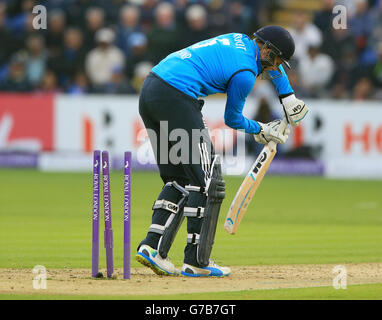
[108,234]
[95,242]
[126,215]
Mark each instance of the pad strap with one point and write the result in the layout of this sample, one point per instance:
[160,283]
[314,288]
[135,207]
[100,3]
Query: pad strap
[195,189]
[157,228]
[166,205]
[193,238]
[194,212]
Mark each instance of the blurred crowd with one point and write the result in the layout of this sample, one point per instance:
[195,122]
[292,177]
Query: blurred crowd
[109,46]
[335,62]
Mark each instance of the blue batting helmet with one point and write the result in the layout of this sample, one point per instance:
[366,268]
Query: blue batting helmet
[278,40]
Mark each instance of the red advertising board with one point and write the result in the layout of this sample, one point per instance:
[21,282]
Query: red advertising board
[26,122]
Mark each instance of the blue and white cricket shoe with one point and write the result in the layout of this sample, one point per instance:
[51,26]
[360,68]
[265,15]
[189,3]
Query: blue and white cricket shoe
[212,270]
[150,257]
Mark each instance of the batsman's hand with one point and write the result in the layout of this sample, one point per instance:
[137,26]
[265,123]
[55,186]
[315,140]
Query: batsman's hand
[295,109]
[271,132]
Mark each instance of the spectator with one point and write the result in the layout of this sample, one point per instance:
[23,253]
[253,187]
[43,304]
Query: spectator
[76,11]
[29,27]
[363,90]
[71,58]
[21,26]
[297,84]
[180,7]
[119,84]
[112,9]
[377,32]
[49,83]
[147,14]
[323,18]
[261,13]
[339,91]
[55,4]
[36,59]
[315,70]
[377,71]
[197,26]
[95,20]
[129,25]
[304,33]
[218,17]
[19,14]
[240,17]
[5,38]
[362,23]
[141,71]
[264,114]
[361,26]
[163,26]
[80,84]
[101,61]
[338,43]
[345,74]
[139,52]
[163,37]
[55,33]
[16,80]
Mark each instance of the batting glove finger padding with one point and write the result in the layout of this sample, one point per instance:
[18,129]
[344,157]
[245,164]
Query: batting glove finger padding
[271,132]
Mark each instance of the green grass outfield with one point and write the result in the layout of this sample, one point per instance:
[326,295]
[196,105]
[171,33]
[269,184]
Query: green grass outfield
[45,218]
[355,292]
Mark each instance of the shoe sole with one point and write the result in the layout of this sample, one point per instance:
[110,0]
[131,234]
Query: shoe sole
[147,262]
[193,275]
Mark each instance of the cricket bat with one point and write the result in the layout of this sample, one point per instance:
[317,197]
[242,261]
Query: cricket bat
[250,184]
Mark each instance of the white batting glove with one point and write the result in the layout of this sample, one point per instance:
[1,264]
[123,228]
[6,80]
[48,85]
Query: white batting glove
[295,109]
[270,131]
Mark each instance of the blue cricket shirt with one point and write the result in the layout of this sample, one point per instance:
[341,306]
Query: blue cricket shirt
[228,64]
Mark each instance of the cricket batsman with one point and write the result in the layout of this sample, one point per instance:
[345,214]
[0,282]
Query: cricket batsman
[169,100]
